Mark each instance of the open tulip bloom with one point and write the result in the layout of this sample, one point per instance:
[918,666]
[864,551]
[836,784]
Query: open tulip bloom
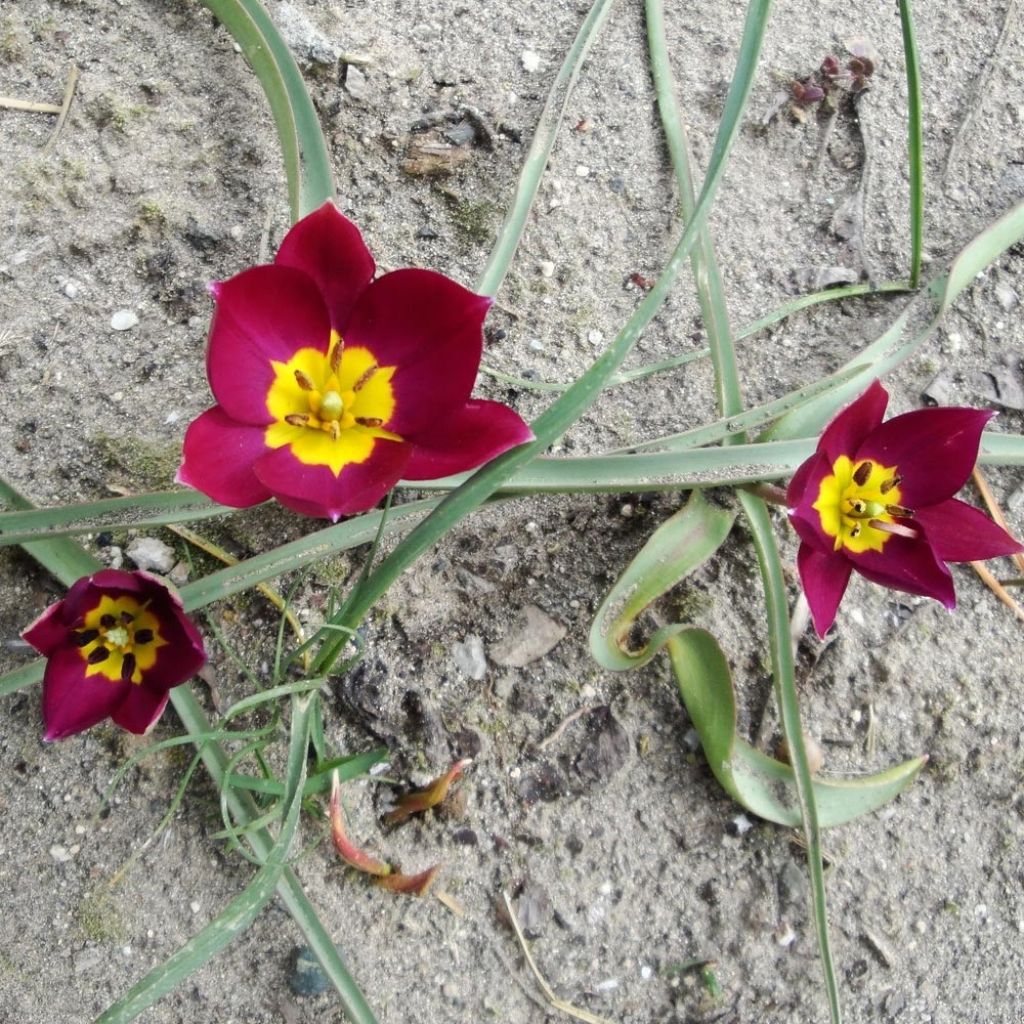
[331,386]
[116,644]
[878,498]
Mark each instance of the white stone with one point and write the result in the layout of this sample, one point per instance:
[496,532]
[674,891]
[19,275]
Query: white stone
[546,268]
[153,554]
[123,320]
[531,60]
[470,658]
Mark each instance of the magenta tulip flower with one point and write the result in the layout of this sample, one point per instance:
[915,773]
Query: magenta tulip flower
[331,386]
[116,644]
[878,498]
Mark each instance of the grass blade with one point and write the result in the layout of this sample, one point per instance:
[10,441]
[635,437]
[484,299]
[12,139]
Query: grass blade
[540,150]
[915,141]
[243,909]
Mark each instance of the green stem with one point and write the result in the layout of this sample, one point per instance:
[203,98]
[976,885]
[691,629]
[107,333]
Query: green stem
[789,714]
[730,404]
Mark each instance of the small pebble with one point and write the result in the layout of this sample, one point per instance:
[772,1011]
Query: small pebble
[537,345]
[784,935]
[307,977]
[582,171]
[646,972]
[608,985]
[546,268]
[531,60]
[60,854]
[595,337]
[153,554]
[195,906]
[470,658]
[72,288]
[741,824]
[123,320]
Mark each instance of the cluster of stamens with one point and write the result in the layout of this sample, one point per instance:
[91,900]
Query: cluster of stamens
[115,635]
[877,514]
[330,407]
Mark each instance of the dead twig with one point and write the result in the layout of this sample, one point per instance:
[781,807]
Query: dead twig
[10,103]
[558,1004]
[62,110]
[562,726]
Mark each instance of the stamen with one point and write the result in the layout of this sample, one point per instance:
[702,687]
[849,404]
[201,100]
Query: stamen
[857,507]
[336,354]
[334,429]
[855,530]
[369,421]
[127,667]
[86,637]
[862,472]
[365,378]
[889,484]
[127,618]
[297,419]
[98,655]
[108,621]
[900,510]
[896,529]
[303,381]
[144,636]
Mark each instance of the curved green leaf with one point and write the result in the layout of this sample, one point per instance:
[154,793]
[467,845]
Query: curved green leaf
[681,544]
[759,783]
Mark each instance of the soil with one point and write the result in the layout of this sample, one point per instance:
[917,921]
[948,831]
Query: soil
[612,833]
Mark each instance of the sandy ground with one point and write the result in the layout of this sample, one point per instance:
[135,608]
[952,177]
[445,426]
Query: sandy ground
[167,175]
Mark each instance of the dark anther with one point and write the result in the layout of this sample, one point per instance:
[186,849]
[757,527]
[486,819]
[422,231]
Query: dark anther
[861,473]
[857,506]
[127,619]
[890,484]
[365,378]
[336,354]
[899,510]
[86,637]
[297,419]
[369,421]
[143,636]
[855,530]
[128,667]
[97,655]
[303,381]
[108,622]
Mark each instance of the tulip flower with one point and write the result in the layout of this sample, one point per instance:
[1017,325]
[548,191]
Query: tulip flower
[331,386]
[115,645]
[878,498]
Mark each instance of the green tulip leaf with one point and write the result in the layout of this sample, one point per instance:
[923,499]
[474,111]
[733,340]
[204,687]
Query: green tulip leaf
[675,549]
[759,783]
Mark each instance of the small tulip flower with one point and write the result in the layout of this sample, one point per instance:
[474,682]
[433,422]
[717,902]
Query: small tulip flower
[878,498]
[331,386]
[116,644]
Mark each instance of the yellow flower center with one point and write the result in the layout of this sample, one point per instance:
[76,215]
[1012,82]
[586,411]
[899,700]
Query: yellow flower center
[859,503]
[119,640]
[330,408]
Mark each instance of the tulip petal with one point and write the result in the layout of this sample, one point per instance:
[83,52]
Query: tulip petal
[263,314]
[845,434]
[933,450]
[328,247]
[218,456]
[907,564]
[316,491]
[71,700]
[140,709]
[824,577]
[802,494]
[958,532]
[474,435]
[430,328]
[182,656]
[48,632]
